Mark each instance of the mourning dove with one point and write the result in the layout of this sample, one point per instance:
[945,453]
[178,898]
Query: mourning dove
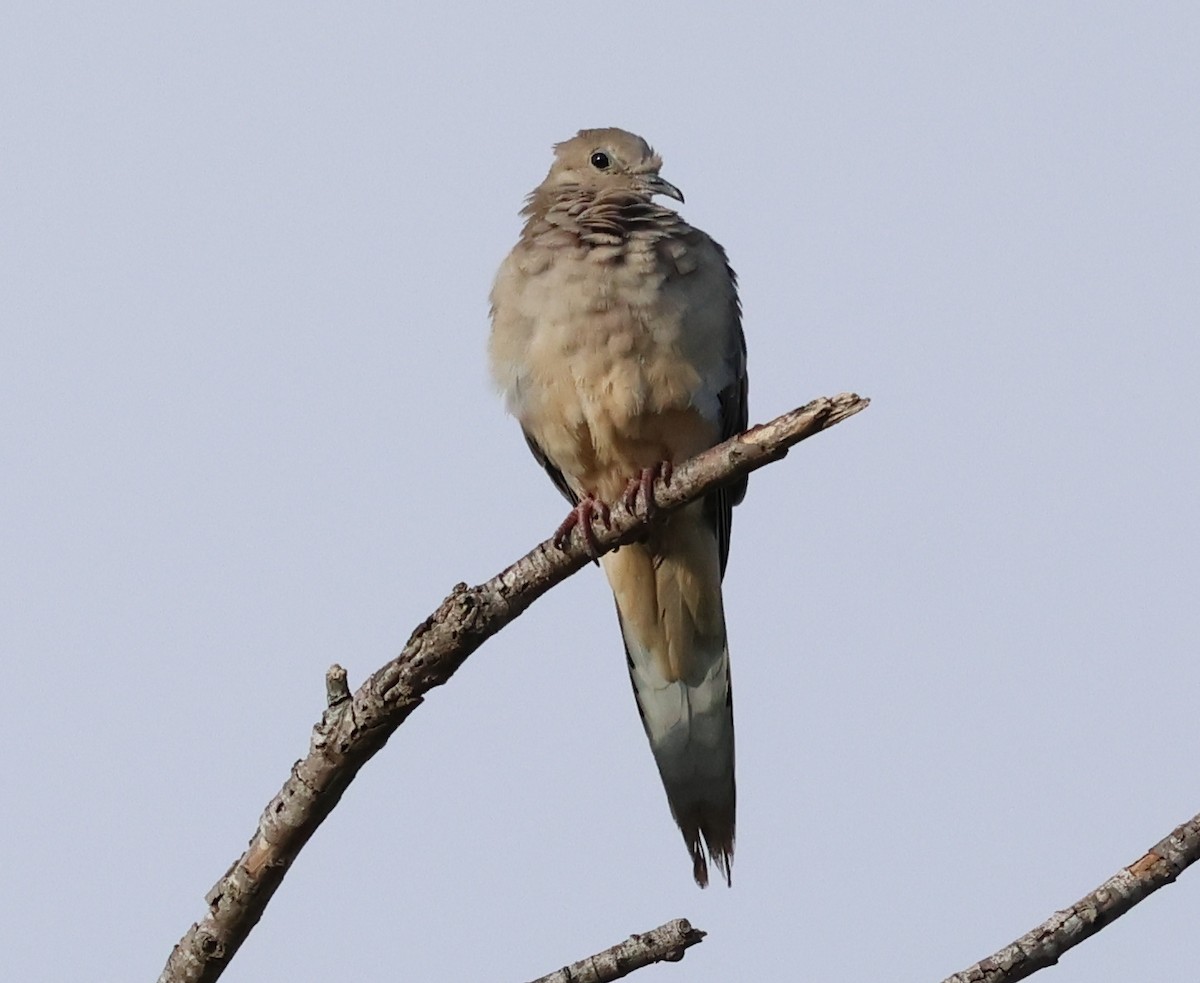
[617,343]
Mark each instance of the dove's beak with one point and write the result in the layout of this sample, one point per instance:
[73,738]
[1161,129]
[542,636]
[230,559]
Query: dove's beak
[659,186]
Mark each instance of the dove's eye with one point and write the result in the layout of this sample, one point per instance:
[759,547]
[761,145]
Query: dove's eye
[600,160]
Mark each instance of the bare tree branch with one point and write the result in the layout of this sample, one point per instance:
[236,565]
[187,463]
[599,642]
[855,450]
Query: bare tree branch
[1065,929]
[663,944]
[354,728]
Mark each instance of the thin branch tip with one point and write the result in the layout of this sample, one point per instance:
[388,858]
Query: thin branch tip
[337,687]
[667,943]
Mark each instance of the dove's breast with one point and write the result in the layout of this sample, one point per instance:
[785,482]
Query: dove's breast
[595,360]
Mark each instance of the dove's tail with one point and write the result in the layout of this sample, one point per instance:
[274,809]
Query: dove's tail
[668,594]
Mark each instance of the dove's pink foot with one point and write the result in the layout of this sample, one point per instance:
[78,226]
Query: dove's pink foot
[584,515]
[641,486]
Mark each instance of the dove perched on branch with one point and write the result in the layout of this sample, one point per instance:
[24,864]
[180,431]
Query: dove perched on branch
[617,343]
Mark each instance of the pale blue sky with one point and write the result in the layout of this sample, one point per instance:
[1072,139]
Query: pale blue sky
[246,431]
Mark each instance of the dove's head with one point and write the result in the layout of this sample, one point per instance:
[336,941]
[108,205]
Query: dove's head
[608,160]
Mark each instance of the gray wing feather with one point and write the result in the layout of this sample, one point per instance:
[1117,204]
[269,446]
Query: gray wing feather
[732,400]
[734,419]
